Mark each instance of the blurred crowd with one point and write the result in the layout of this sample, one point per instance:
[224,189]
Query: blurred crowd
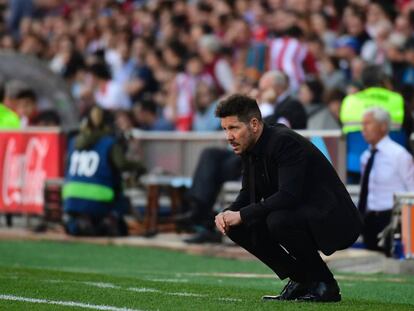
[168,62]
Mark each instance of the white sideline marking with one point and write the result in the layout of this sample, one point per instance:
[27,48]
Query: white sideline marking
[110,285]
[229,299]
[65,303]
[143,290]
[184,294]
[101,284]
[169,280]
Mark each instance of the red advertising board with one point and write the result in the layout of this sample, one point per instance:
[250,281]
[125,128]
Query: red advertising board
[27,159]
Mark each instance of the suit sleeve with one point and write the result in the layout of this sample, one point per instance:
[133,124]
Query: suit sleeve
[289,157]
[243,198]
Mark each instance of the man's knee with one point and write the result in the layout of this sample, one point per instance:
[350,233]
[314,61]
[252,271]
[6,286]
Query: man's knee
[237,234]
[210,154]
[278,224]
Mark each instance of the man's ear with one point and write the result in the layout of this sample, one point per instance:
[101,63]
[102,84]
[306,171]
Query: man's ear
[254,124]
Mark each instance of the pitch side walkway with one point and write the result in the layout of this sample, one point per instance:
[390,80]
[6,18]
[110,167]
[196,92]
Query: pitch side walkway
[350,260]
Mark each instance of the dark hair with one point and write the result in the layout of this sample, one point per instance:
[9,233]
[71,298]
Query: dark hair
[373,75]
[316,87]
[48,116]
[334,94]
[100,70]
[148,105]
[243,107]
[28,93]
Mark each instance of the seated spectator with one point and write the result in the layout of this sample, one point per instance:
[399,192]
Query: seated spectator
[215,166]
[205,102]
[310,95]
[328,117]
[47,118]
[146,115]
[93,200]
[287,110]
[386,168]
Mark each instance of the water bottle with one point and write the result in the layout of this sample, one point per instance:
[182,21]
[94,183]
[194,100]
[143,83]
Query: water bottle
[398,252]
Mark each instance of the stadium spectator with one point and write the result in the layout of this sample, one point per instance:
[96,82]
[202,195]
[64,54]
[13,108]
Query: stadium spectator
[180,109]
[9,119]
[108,93]
[311,95]
[283,214]
[147,43]
[205,102]
[328,117]
[26,107]
[386,168]
[48,117]
[214,167]
[148,118]
[377,92]
[286,109]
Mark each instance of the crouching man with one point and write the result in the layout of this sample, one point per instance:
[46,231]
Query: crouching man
[292,203]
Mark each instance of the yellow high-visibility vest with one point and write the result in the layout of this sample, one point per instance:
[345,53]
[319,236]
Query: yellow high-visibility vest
[354,106]
[8,118]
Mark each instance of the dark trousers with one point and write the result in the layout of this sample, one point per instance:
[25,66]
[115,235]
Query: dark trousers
[374,223]
[283,242]
[215,166]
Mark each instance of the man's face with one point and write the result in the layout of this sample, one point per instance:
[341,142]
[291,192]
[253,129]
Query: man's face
[25,107]
[373,130]
[239,135]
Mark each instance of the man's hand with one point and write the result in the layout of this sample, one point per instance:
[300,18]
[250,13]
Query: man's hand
[227,219]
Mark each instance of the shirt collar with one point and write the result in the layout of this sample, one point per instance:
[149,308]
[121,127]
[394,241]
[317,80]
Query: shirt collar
[259,148]
[282,97]
[382,144]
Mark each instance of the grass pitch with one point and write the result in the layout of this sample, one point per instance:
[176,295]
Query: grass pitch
[76,276]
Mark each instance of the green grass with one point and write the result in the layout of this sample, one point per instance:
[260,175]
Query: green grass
[152,279]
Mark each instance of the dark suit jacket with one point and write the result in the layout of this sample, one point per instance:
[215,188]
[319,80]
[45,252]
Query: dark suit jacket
[292,110]
[291,173]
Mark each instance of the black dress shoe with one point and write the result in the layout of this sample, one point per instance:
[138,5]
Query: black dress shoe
[205,236]
[322,292]
[291,291]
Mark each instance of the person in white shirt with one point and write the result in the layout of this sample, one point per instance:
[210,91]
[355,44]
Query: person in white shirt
[386,168]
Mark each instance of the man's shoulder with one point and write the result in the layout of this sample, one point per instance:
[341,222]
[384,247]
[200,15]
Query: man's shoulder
[279,134]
